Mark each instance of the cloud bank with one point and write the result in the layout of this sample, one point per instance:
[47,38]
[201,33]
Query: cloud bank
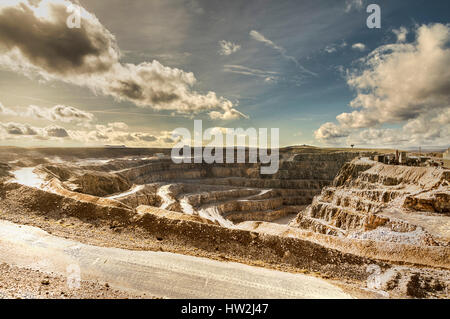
[57,113]
[112,133]
[90,133]
[35,39]
[400,83]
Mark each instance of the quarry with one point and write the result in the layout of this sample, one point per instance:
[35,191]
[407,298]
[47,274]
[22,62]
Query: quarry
[338,214]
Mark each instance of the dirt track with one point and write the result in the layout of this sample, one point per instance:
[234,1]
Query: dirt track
[155,273]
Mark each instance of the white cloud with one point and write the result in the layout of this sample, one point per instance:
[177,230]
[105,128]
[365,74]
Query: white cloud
[401,83]
[428,129]
[330,49]
[109,135]
[59,113]
[330,132]
[120,126]
[12,128]
[230,114]
[359,46]
[101,135]
[42,44]
[6,111]
[268,76]
[334,47]
[353,5]
[401,34]
[227,47]
[56,131]
[261,38]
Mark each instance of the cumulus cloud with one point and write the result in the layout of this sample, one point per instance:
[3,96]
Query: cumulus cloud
[147,137]
[117,133]
[401,34]
[14,130]
[18,129]
[56,131]
[428,129]
[107,135]
[331,132]
[113,133]
[400,83]
[227,47]
[359,46]
[120,126]
[59,113]
[261,38]
[35,39]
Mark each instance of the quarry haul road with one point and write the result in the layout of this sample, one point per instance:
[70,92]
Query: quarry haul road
[158,274]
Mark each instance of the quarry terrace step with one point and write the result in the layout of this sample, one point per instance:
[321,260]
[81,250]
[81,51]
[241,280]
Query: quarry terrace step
[248,205]
[267,183]
[266,215]
[317,225]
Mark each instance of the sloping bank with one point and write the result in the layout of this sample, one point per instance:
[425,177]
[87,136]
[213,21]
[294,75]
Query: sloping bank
[263,242]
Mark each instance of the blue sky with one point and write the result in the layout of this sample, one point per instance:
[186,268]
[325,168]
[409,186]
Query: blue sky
[289,68]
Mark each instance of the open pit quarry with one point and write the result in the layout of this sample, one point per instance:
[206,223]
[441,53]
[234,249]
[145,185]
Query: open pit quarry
[373,229]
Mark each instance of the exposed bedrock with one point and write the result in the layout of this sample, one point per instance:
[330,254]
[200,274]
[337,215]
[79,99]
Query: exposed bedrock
[5,170]
[193,231]
[383,202]
[60,203]
[226,193]
[253,241]
[434,201]
[90,182]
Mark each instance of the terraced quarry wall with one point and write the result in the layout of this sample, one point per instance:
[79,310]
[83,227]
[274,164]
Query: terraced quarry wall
[226,193]
[363,213]
[369,200]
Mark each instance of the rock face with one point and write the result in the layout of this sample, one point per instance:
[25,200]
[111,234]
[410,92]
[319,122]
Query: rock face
[87,181]
[224,193]
[4,170]
[370,200]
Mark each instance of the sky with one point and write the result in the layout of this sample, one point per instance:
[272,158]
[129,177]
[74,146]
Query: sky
[136,70]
